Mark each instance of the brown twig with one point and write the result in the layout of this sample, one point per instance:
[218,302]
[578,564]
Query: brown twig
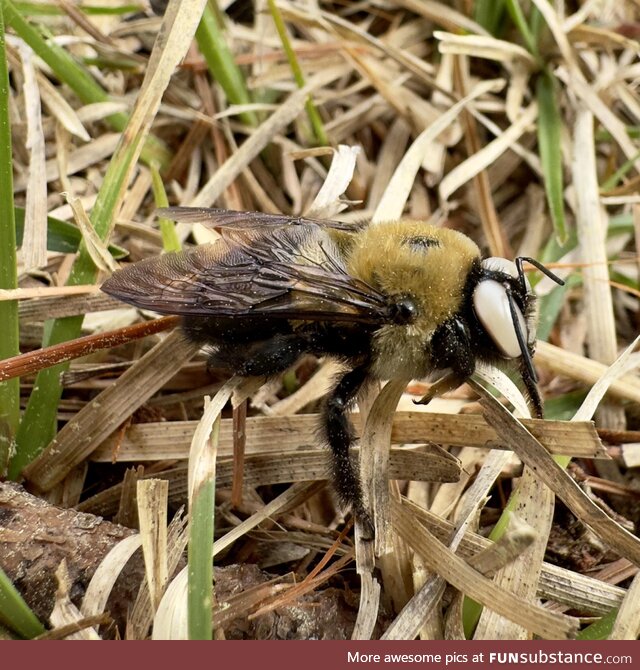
[33,361]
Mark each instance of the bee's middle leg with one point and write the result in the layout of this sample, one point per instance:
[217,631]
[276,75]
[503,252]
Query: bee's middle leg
[340,436]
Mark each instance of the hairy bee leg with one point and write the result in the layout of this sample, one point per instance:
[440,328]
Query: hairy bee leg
[340,436]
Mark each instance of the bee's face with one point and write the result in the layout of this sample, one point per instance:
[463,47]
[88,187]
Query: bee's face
[503,304]
[462,308]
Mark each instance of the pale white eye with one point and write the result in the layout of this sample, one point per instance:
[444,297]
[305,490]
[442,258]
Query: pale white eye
[491,306]
[497,264]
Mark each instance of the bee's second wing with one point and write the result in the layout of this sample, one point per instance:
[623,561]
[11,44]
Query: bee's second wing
[295,272]
[226,218]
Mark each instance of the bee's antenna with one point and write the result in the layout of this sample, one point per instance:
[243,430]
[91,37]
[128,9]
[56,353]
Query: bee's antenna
[532,261]
[524,349]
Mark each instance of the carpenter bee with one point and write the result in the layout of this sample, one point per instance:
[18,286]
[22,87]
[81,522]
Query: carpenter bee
[398,298]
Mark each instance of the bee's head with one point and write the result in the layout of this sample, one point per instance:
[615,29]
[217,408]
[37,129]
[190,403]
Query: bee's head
[505,308]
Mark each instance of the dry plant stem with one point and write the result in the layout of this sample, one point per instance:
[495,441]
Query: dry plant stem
[69,629]
[535,505]
[82,434]
[458,573]
[487,156]
[531,452]
[314,578]
[374,472]
[627,623]
[85,23]
[396,194]
[374,461]
[286,467]
[418,611]
[141,617]
[586,371]
[513,543]
[521,576]
[34,241]
[396,572]
[64,611]
[295,495]
[370,591]
[626,362]
[33,361]
[267,434]
[443,15]
[67,304]
[106,575]
[258,140]
[239,442]
[577,591]
[511,546]
[591,228]
[127,511]
[152,512]
[408,623]
[488,215]
[232,197]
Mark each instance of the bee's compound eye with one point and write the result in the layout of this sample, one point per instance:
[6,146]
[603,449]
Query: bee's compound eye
[497,264]
[404,311]
[491,306]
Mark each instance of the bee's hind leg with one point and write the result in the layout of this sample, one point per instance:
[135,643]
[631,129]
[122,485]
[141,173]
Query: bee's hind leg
[339,434]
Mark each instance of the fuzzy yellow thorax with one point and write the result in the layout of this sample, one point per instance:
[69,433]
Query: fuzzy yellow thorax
[430,265]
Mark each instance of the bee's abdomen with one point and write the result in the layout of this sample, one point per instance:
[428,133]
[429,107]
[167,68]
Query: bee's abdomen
[256,346]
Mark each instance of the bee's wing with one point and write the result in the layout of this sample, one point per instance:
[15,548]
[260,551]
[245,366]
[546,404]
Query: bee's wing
[295,272]
[226,218]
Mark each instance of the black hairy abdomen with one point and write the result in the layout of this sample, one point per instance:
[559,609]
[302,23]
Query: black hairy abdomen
[257,346]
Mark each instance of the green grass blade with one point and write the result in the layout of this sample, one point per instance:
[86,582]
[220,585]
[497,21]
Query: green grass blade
[600,629]
[78,78]
[9,333]
[51,9]
[15,613]
[201,525]
[563,407]
[537,24]
[62,236]
[551,304]
[520,21]
[170,240]
[222,66]
[38,423]
[620,173]
[320,136]
[489,14]
[603,135]
[549,131]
